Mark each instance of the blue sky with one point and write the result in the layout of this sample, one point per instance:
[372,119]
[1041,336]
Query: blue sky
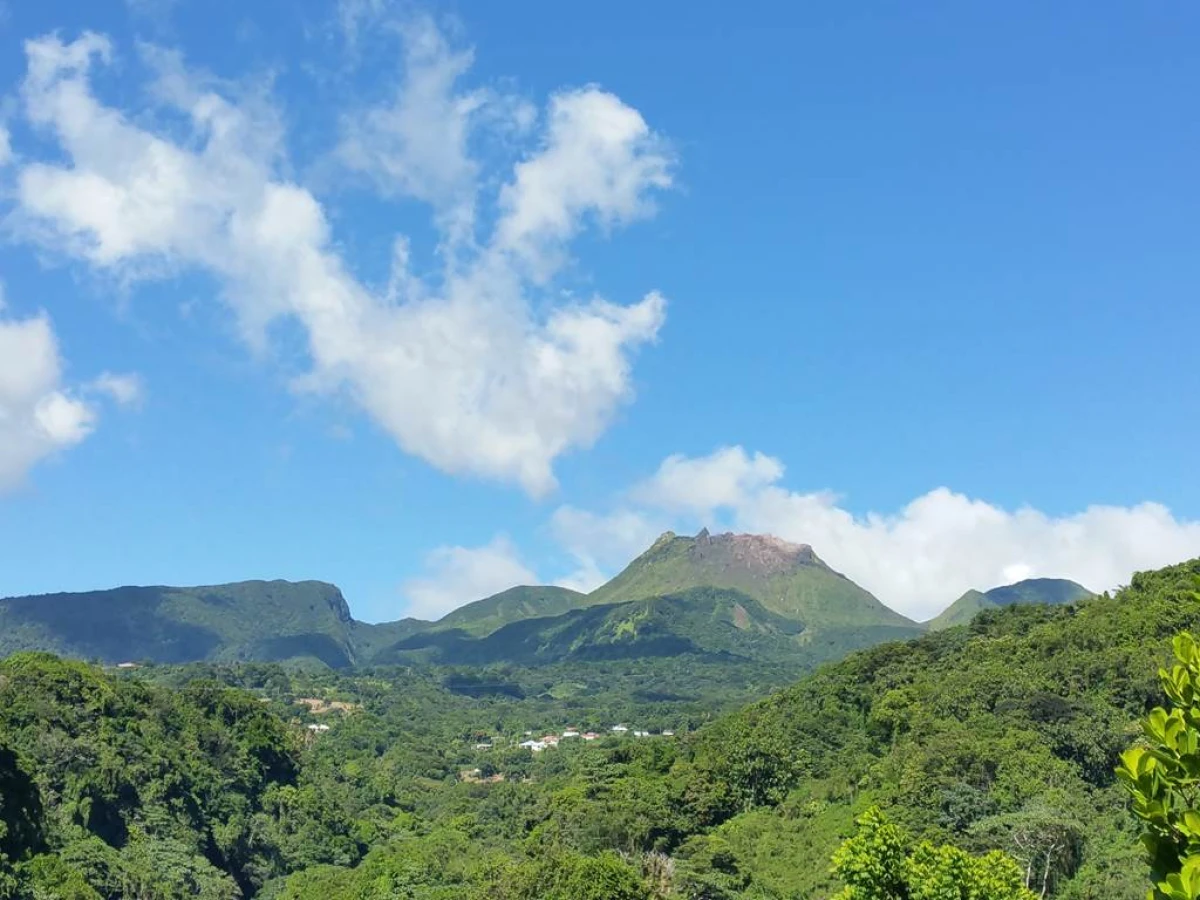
[430,300]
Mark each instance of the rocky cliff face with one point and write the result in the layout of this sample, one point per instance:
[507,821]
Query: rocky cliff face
[758,554]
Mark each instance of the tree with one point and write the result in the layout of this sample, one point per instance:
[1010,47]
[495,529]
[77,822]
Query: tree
[1042,836]
[880,863]
[1163,779]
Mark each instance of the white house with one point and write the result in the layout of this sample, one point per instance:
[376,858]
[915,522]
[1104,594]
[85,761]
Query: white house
[533,746]
[618,729]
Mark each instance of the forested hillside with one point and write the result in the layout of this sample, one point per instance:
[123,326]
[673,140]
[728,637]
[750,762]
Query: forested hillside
[256,781]
[262,620]
[1004,734]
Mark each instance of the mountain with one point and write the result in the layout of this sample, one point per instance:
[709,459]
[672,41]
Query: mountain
[192,782]
[724,596]
[258,620]
[705,621]
[788,579]
[1051,591]
[526,602]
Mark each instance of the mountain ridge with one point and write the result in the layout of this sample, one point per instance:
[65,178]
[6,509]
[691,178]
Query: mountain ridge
[1049,591]
[258,619]
[278,620]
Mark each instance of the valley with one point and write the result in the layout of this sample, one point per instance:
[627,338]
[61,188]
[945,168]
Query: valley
[707,725]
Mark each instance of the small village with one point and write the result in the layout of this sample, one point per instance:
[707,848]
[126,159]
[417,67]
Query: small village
[549,741]
[537,745]
[321,707]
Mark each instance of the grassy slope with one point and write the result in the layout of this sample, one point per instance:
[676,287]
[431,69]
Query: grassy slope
[711,624]
[525,602]
[811,593]
[961,611]
[702,621]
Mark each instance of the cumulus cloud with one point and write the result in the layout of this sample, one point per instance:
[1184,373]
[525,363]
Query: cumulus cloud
[38,415]
[599,158]
[916,560]
[460,575]
[459,369]
[699,485]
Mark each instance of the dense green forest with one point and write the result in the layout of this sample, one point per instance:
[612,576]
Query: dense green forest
[208,781]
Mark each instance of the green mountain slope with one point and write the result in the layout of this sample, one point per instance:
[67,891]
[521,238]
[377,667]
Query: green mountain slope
[1051,591]
[524,602]
[975,735]
[788,579]
[704,621]
[259,620]
[710,623]
[1055,591]
[801,609]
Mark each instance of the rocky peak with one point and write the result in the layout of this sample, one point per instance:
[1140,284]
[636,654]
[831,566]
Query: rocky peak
[762,554]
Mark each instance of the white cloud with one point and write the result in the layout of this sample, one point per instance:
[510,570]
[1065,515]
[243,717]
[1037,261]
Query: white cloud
[417,144]
[599,158]
[916,560]
[125,390]
[458,369]
[38,416]
[6,154]
[461,575]
[708,483]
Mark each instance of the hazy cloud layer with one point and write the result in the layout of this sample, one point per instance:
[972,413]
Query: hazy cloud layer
[458,368]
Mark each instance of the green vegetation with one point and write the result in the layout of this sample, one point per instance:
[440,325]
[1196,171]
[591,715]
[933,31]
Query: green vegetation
[1162,775]
[263,620]
[115,788]
[1051,591]
[735,598]
[527,602]
[978,762]
[788,579]
[706,622]
[879,863]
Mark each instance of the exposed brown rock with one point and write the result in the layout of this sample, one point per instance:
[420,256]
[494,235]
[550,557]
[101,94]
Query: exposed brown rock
[761,554]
